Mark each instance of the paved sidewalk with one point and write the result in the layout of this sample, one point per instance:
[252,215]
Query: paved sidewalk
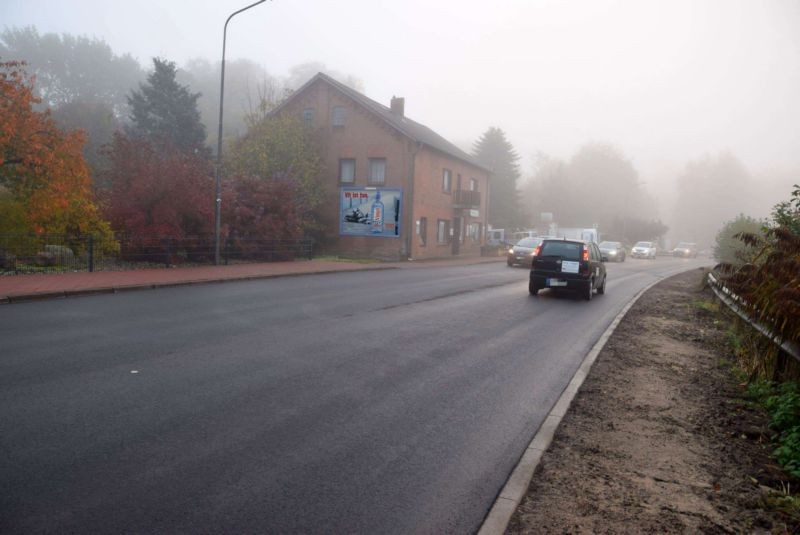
[15,288]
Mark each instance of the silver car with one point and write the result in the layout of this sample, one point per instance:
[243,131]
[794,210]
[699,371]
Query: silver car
[644,249]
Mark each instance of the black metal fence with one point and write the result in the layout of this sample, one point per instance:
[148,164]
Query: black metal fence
[52,253]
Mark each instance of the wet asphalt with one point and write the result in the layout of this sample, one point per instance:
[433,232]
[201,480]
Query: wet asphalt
[371,402]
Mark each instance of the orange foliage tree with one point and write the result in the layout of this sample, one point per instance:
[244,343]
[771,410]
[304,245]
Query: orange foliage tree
[42,168]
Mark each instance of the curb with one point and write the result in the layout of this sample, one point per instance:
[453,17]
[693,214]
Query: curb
[516,486]
[62,294]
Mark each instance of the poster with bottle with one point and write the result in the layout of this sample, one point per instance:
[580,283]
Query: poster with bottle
[370,212]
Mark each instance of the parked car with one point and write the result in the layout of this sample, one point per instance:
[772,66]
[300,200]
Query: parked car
[569,265]
[613,251]
[644,249]
[685,250]
[522,252]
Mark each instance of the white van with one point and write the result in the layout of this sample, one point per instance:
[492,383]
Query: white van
[524,234]
[495,236]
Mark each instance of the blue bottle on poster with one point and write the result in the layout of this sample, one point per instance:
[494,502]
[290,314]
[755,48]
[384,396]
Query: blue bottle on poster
[376,215]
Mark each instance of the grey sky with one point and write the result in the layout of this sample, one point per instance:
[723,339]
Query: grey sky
[664,81]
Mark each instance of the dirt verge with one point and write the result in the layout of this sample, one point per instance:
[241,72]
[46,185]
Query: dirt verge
[658,438]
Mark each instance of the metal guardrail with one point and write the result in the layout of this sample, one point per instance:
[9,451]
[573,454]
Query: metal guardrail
[731,299]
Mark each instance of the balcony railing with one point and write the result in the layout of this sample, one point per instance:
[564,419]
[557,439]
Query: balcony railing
[464,198]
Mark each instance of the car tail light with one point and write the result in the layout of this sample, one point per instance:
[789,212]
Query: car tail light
[537,250]
[585,254]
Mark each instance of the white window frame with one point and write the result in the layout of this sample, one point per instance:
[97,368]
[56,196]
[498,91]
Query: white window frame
[338,115]
[309,116]
[371,176]
[342,162]
[442,231]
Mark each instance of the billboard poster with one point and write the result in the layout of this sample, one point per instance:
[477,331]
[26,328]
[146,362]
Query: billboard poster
[370,212]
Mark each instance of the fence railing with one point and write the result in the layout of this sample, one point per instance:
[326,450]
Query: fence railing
[52,253]
[734,302]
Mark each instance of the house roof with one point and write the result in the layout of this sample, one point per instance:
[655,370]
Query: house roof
[411,129]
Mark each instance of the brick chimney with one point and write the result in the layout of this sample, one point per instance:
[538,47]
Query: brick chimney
[398,106]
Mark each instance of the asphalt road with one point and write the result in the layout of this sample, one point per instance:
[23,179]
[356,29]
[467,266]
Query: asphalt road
[372,402]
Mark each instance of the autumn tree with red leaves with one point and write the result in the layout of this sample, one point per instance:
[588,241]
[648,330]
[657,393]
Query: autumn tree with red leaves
[162,192]
[43,174]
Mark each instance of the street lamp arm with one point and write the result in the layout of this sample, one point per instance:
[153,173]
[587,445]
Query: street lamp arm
[236,13]
[218,193]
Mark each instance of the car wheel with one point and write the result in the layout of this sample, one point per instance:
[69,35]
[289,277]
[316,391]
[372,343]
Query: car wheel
[589,292]
[532,288]
[602,289]
[510,263]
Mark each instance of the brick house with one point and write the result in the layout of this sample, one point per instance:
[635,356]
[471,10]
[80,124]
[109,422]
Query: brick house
[395,188]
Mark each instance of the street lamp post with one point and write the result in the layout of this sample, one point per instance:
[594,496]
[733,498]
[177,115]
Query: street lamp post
[218,195]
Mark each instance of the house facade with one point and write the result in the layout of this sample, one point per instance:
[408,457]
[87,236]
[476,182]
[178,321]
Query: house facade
[394,189]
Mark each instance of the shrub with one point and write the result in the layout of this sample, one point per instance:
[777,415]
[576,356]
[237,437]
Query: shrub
[729,249]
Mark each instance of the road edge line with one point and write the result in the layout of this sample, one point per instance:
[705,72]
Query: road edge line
[516,486]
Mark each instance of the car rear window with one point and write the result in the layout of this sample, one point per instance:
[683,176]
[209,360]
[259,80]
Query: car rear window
[564,249]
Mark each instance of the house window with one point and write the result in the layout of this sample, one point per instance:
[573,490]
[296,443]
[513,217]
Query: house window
[347,170]
[377,171]
[447,178]
[442,231]
[473,184]
[339,115]
[422,231]
[308,117]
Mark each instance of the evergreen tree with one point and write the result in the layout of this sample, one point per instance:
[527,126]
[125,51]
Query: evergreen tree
[494,151]
[165,113]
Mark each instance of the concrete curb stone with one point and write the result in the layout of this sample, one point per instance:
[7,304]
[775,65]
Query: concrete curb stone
[516,486]
[61,294]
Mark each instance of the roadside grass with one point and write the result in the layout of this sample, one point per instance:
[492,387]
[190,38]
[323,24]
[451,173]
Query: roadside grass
[348,260]
[772,384]
[781,401]
[706,305]
[783,501]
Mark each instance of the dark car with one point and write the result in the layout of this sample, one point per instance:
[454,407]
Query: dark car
[569,265]
[613,250]
[685,250]
[522,252]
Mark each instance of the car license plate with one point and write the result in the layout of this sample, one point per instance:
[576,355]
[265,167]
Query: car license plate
[569,267]
[556,282]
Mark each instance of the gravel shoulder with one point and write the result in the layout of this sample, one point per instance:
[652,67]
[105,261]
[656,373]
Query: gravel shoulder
[658,438]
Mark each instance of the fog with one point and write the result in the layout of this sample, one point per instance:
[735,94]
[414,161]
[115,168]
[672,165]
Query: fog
[672,85]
